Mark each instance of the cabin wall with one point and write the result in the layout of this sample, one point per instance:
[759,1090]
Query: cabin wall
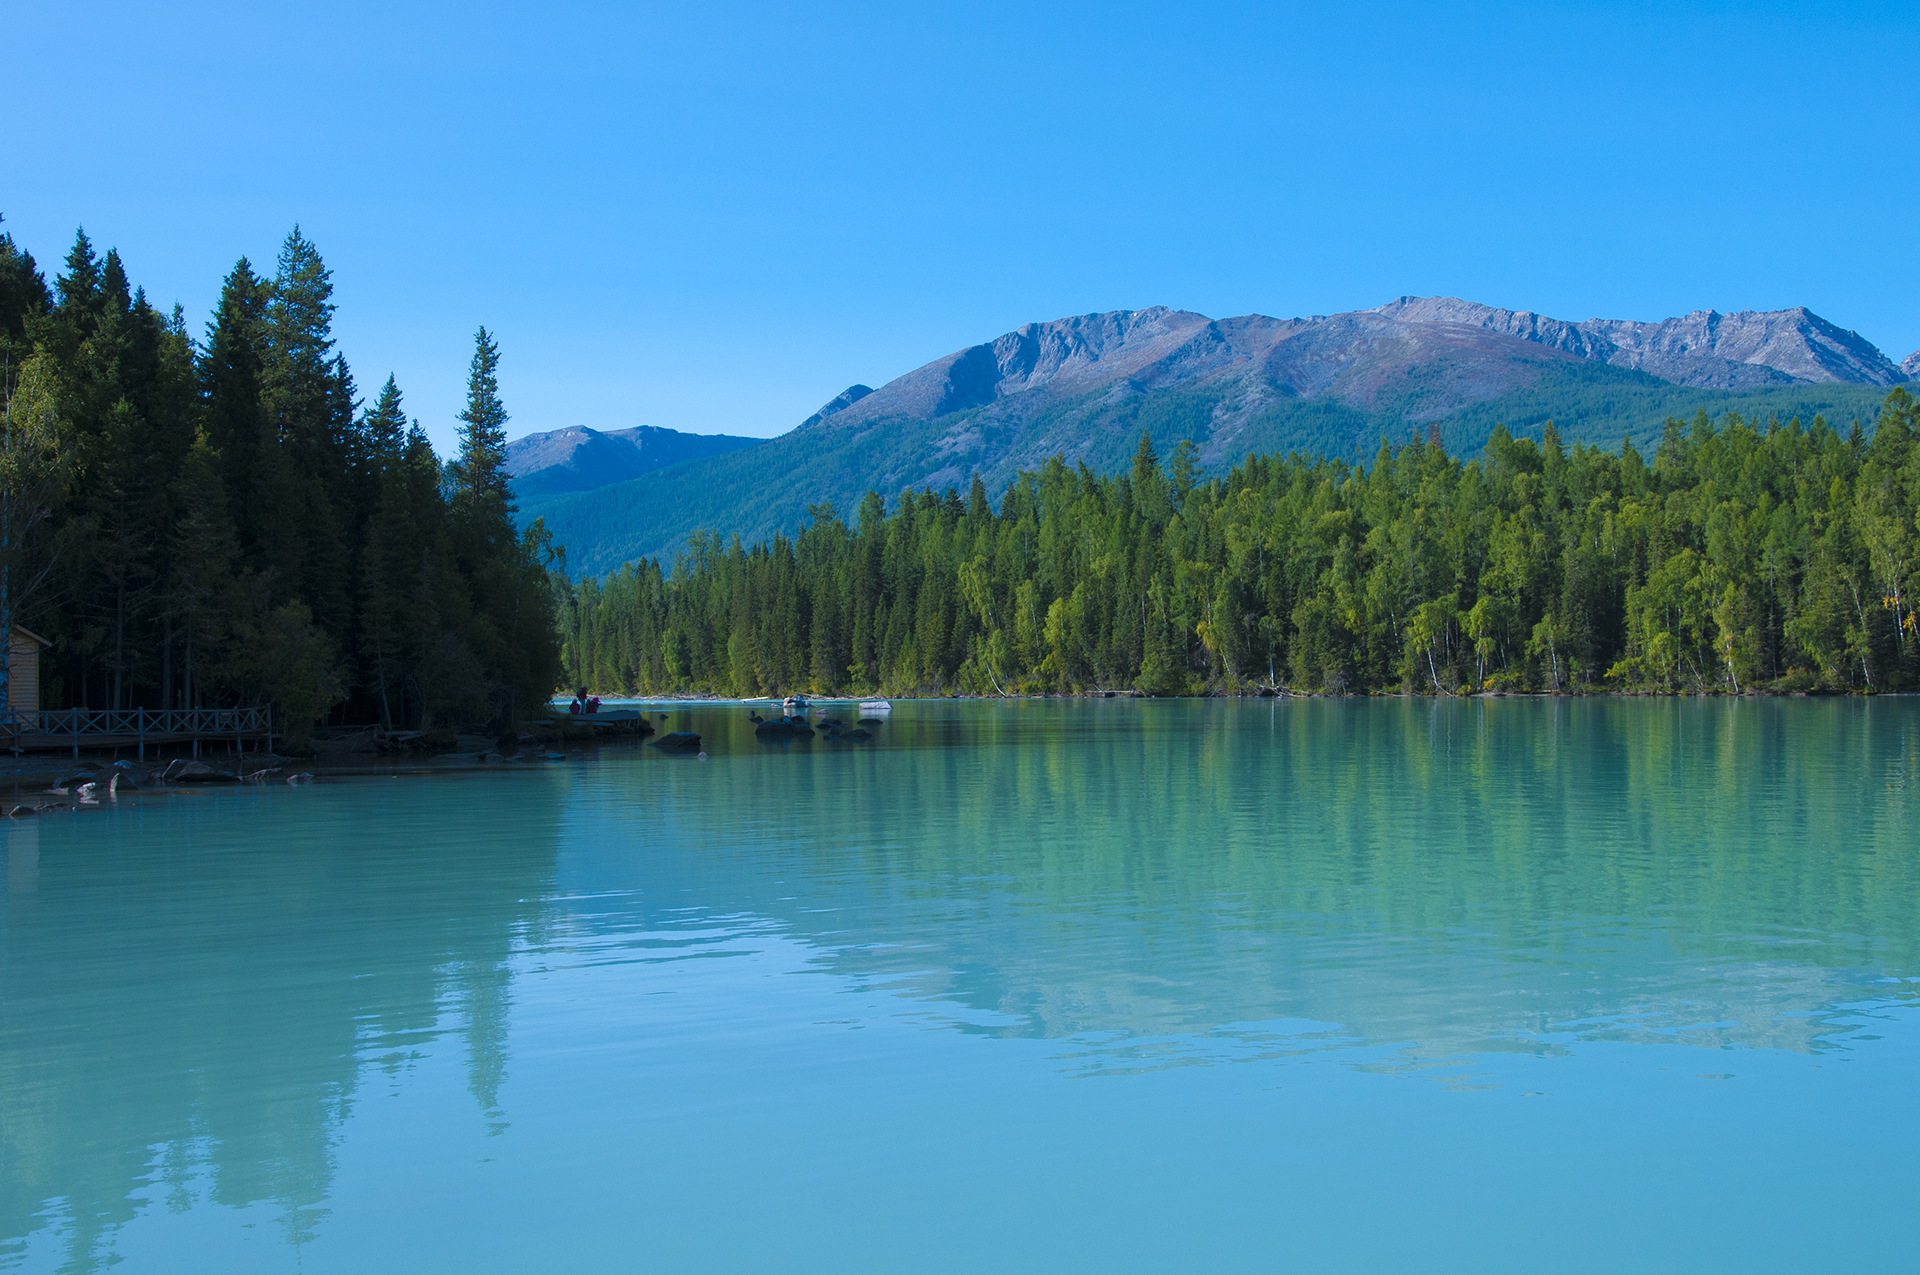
[23,675]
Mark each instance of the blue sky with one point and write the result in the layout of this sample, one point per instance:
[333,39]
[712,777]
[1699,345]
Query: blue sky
[716,218]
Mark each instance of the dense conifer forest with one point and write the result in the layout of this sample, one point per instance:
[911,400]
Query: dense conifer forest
[219,520]
[1746,555]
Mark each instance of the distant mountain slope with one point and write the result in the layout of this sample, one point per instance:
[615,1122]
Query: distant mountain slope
[1085,388]
[1911,365]
[580,459]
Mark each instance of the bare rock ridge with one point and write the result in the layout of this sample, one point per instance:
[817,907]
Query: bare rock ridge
[1911,365]
[581,459]
[1359,355]
[1705,348]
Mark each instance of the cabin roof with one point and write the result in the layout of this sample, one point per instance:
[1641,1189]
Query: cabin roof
[27,632]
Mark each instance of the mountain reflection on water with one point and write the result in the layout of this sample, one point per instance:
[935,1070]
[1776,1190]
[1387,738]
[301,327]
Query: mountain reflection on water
[202,989]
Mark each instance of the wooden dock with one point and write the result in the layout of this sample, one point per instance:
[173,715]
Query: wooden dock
[77,728]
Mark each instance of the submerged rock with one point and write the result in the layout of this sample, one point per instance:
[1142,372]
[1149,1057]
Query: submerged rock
[679,741]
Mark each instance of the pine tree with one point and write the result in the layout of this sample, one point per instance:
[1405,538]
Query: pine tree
[24,296]
[35,462]
[481,492]
[239,431]
[205,552]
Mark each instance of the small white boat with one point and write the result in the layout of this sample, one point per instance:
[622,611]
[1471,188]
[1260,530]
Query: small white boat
[794,704]
[875,706]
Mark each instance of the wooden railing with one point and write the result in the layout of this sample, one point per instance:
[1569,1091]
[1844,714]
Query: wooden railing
[140,722]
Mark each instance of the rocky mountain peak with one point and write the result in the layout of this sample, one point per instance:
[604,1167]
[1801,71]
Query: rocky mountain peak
[838,403]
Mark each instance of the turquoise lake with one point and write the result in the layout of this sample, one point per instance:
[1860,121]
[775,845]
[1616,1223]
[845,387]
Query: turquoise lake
[1508,985]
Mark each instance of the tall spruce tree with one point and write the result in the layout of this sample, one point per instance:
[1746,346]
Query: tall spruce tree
[513,604]
[245,449]
[482,498]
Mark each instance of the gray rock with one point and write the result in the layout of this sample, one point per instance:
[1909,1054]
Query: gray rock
[182,771]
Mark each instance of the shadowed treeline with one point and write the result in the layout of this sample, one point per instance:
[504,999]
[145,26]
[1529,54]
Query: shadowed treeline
[211,521]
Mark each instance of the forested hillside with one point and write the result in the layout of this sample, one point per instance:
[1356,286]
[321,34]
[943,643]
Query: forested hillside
[1745,554]
[217,521]
[767,489]
[1083,388]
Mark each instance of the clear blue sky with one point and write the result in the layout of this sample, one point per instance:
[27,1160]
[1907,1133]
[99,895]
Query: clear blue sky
[714,218]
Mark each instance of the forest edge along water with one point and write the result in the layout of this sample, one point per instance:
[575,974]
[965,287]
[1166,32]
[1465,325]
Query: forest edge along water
[222,522]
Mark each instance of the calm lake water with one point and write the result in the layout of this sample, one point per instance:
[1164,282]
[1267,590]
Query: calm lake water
[1115,985]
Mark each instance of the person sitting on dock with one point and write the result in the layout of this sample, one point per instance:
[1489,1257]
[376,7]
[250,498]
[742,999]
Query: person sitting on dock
[579,704]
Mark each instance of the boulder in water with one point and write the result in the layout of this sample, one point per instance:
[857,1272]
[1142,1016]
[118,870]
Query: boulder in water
[182,771]
[680,741]
[132,775]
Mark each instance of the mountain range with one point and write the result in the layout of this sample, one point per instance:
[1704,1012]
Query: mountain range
[1086,387]
[580,459]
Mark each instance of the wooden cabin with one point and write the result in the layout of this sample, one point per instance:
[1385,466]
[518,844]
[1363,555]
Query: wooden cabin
[23,670]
